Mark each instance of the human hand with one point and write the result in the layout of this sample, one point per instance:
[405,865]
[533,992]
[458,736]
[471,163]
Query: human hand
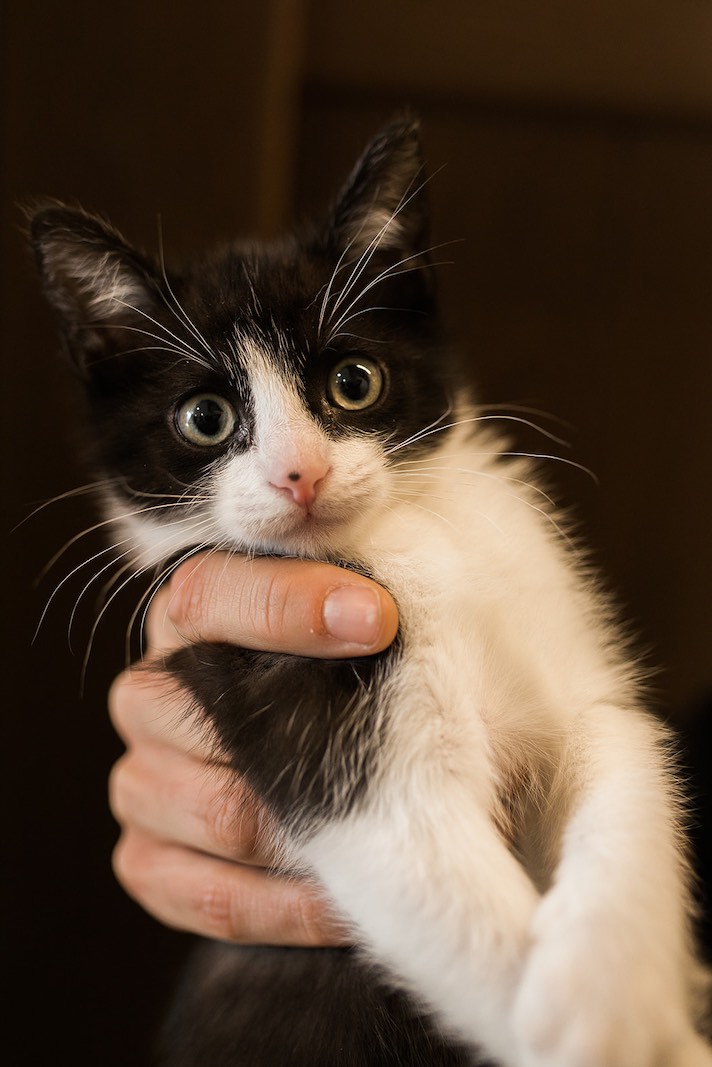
[195,844]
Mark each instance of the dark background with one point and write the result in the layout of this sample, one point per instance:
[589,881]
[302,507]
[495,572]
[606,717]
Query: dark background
[573,150]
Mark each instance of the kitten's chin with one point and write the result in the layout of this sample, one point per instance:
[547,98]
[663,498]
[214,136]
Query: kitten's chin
[313,538]
[324,534]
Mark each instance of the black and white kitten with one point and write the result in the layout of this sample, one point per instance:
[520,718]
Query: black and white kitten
[487,802]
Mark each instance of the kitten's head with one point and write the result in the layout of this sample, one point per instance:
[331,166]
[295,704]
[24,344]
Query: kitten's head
[252,399]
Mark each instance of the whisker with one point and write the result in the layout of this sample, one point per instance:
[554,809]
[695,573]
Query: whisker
[136,573]
[161,577]
[340,265]
[369,252]
[101,525]
[487,518]
[506,454]
[433,472]
[176,348]
[512,496]
[67,577]
[83,592]
[420,435]
[80,490]
[178,310]
[196,497]
[526,410]
[392,271]
[180,342]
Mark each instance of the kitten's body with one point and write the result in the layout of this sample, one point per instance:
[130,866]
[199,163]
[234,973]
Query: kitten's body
[486,802]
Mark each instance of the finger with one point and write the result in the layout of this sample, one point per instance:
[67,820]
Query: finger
[169,795]
[145,704]
[214,898]
[286,605]
[160,632]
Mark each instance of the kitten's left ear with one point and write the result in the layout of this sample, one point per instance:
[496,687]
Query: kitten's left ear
[93,278]
[383,206]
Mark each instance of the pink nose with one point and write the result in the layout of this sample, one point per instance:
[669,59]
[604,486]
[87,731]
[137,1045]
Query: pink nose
[302,484]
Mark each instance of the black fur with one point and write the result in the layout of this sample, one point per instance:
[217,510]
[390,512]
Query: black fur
[254,1007]
[304,733]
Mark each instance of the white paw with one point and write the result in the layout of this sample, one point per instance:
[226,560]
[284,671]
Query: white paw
[575,1008]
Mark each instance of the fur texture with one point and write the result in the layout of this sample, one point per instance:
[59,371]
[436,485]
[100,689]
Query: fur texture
[487,802]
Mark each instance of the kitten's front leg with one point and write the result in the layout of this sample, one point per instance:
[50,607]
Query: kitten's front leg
[437,898]
[609,981]
[397,837]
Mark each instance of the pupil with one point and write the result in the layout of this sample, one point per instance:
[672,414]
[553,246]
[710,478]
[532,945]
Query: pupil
[353,382]
[208,418]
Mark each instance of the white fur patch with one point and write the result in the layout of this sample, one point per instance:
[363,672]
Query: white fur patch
[106,286]
[379,228]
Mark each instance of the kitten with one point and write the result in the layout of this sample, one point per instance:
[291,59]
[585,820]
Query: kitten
[486,802]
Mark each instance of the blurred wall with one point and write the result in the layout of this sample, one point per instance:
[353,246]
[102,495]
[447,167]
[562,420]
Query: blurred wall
[572,158]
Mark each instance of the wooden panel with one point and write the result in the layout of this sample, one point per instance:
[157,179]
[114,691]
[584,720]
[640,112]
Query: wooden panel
[634,55]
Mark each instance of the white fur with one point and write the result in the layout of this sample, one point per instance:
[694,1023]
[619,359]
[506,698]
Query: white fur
[553,935]
[106,285]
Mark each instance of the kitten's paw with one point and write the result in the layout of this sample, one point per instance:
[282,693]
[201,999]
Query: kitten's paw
[572,1012]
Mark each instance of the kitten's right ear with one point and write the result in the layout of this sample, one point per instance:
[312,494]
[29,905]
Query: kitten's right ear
[93,278]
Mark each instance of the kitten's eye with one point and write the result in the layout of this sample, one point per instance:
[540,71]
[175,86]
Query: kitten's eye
[206,419]
[355,384]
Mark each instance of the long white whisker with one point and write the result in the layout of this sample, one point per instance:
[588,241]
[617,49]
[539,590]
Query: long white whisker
[84,590]
[155,585]
[340,264]
[433,472]
[178,310]
[180,342]
[513,496]
[526,410]
[75,570]
[100,525]
[136,572]
[422,434]
[538,456]
[80,490]
[369,252]
[392,271]
[178,347]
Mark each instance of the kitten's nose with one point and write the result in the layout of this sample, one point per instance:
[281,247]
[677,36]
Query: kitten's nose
[302,482]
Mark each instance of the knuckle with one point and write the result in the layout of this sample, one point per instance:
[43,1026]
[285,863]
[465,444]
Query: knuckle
[232,822]
[223,823]
[307,918]
[121,702]
[117,778]
[218,911]
[129,866]
[132,693]
[269,607]
[193,595]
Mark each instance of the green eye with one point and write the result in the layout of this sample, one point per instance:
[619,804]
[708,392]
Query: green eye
[355,384]
[206,419]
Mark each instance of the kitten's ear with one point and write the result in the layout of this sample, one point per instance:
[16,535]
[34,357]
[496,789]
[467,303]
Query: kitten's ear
[383,204]
[91,275]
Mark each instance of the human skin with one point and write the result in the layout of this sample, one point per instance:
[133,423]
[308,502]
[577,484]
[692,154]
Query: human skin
[195,848]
